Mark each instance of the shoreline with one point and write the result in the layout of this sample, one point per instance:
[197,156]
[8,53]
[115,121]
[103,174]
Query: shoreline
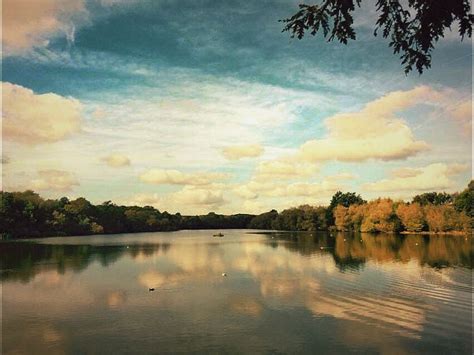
[436,233]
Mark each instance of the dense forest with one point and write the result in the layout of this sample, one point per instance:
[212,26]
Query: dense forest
[26,214]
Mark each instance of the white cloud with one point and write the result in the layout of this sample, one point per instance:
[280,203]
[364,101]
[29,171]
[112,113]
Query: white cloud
[188,195]
[373,132]
[456,169]
[99,113]
[144,200]
[175,177]
[188,200]
[254,189]
[116,160]
[199,196]
[30,118]
[253,207]
[238,152]
[405,172]
[245,192]
[284,168]
[430,177]
[54,180]
[28,24]
[310,189]
[462,114]
[197,115]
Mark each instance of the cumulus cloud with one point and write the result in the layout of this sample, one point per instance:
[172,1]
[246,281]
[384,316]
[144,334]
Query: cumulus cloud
[28,24]
[254,189]
[245,192]
[56,180]
[430,177]
[307,189]
[199,196]
[116,160]
[284,169]
[175,177]
[456,169]
[237,152]
[145,200]
[462,113]
[373,132]
[252,206]
[405,172]
[188,200]
[30,118]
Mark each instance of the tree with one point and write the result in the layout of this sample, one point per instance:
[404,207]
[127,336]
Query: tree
[434,198]
[435,218]
[345,199]
[264,220]
[380,217]
[413,26]
[465,200]
[342,219]
[412,216]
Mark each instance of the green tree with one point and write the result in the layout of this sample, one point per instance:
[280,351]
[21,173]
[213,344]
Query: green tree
[264,220]
[345,199]
[413,26]
[465,200]
[434,198]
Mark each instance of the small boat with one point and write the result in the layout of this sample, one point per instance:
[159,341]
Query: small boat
[219,235]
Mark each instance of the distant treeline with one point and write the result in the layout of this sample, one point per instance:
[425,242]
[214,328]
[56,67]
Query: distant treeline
[26,214]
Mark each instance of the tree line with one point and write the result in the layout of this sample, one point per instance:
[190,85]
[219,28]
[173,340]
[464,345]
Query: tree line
[27,214]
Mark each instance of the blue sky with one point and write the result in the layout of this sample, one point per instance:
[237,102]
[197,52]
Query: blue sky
[138,101]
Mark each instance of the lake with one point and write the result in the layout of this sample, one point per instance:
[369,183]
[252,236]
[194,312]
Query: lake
[283,293]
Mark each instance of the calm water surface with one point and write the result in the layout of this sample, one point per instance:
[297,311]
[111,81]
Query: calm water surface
[283,293]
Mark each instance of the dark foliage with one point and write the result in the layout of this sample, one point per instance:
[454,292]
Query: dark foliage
[434,198]
[345,199]
[26,214]
[302,218]
[413,30]
[465,201]
[264,220]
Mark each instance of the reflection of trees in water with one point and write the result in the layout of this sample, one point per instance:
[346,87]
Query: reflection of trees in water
[305,243]
[22,261]
[351,251]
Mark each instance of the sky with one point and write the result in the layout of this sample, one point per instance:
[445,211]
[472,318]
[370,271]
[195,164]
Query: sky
[195,106]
